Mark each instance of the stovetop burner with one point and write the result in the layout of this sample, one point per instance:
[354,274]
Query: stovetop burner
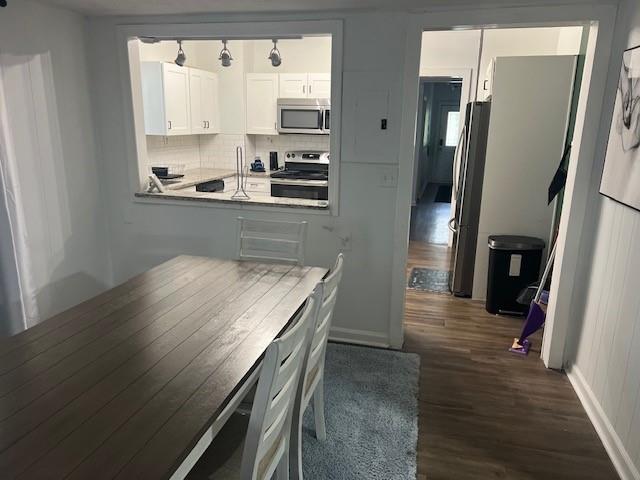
[300,175]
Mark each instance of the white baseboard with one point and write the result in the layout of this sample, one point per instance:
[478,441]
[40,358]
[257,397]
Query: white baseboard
[359,337]
[610,439]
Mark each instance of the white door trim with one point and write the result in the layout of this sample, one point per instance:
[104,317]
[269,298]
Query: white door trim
[587,143]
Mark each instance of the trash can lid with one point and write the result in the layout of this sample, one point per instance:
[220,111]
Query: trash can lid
[515,242]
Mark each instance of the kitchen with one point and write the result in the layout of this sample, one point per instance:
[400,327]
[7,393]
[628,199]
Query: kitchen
[234,121]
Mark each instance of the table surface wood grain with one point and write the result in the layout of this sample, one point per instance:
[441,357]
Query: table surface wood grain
[124,384]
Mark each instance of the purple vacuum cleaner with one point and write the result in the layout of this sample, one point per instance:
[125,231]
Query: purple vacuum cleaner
[537,312]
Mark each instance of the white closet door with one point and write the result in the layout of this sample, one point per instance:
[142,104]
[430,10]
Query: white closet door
[319,85]
[293,85]
[176,99]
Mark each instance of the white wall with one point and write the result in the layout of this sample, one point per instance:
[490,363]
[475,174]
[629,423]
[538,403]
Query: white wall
[48,100]
[461,48]
[308,54]
[523,152]
[144,235]
[604,341]
[515,42]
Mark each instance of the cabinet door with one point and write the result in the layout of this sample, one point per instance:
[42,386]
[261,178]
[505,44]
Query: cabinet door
[293,85]
[210,104]
[319,85]
[176,99]
[196,95]
[262,96]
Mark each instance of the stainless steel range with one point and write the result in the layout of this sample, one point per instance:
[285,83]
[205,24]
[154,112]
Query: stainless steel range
[305,175]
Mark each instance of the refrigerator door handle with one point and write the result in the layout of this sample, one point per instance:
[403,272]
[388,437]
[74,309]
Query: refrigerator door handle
[455,160]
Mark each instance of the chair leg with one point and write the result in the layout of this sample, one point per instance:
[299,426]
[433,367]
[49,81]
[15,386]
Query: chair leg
[318,410]
[295,447]
[282,470]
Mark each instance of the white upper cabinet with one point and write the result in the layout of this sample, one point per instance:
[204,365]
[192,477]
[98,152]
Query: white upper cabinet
[203,88]
[262,97]
[293,85]
[305,85]
[319,85]
[176,99]
[165,94]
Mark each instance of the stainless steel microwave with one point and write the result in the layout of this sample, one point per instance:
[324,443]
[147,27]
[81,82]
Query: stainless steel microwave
[304,115]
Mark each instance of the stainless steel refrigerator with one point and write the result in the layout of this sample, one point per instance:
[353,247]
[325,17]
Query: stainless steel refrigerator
[470,161]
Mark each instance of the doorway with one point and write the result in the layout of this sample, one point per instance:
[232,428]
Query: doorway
[437,141]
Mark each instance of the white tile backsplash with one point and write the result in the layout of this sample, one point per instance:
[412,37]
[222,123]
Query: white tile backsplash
[282,143]
[180,149]
[219,151]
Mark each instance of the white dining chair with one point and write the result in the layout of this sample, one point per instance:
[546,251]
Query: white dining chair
[271,240]
[312,382]
[267,439]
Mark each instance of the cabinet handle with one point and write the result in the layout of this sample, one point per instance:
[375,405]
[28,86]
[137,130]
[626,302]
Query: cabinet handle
[484,85]
[309,88]
[304,88]
[169,124]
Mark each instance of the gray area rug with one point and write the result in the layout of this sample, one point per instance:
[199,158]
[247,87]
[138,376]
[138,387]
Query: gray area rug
[429,280]
[371,413]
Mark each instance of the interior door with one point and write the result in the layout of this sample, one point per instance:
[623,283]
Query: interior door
[293,85]
[176,99]
[319,85]
[447,139]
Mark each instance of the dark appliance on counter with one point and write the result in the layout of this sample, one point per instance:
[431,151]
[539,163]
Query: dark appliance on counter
[305,175]
[273,161]
[257,165]
[210,186]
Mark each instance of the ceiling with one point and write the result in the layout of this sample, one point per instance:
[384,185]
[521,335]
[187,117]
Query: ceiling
[158,7]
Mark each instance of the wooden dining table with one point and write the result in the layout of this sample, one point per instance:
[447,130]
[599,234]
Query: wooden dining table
[135,382]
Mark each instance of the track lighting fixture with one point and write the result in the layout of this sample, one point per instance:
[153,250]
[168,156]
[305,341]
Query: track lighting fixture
[274,55]
[225,55]
[181,58]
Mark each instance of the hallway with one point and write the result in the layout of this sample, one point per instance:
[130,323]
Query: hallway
[429,218]
[483,412]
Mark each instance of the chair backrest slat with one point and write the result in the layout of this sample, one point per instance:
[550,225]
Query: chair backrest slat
[267,437]
[271,240]
[316,357]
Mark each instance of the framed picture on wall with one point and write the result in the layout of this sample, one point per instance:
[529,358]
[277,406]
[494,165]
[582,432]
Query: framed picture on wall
[621,174]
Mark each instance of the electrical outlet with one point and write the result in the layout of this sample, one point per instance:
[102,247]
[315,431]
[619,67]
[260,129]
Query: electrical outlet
[388,176]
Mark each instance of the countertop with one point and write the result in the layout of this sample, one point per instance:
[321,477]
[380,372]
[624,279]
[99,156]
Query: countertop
[198,175]
[184,190]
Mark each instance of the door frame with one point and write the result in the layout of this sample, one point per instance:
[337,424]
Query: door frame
[600,76]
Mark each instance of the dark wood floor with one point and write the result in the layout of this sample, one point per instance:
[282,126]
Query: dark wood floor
[429,218]
[486,413]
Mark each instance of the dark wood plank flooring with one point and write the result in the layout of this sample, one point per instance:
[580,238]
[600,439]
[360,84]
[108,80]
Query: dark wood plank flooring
[429,218]
[486,413]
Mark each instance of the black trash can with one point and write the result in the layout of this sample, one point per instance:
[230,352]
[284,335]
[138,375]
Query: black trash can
[514,263]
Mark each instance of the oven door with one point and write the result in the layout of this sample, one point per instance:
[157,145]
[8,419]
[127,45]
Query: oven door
[311,189]
[300,119]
